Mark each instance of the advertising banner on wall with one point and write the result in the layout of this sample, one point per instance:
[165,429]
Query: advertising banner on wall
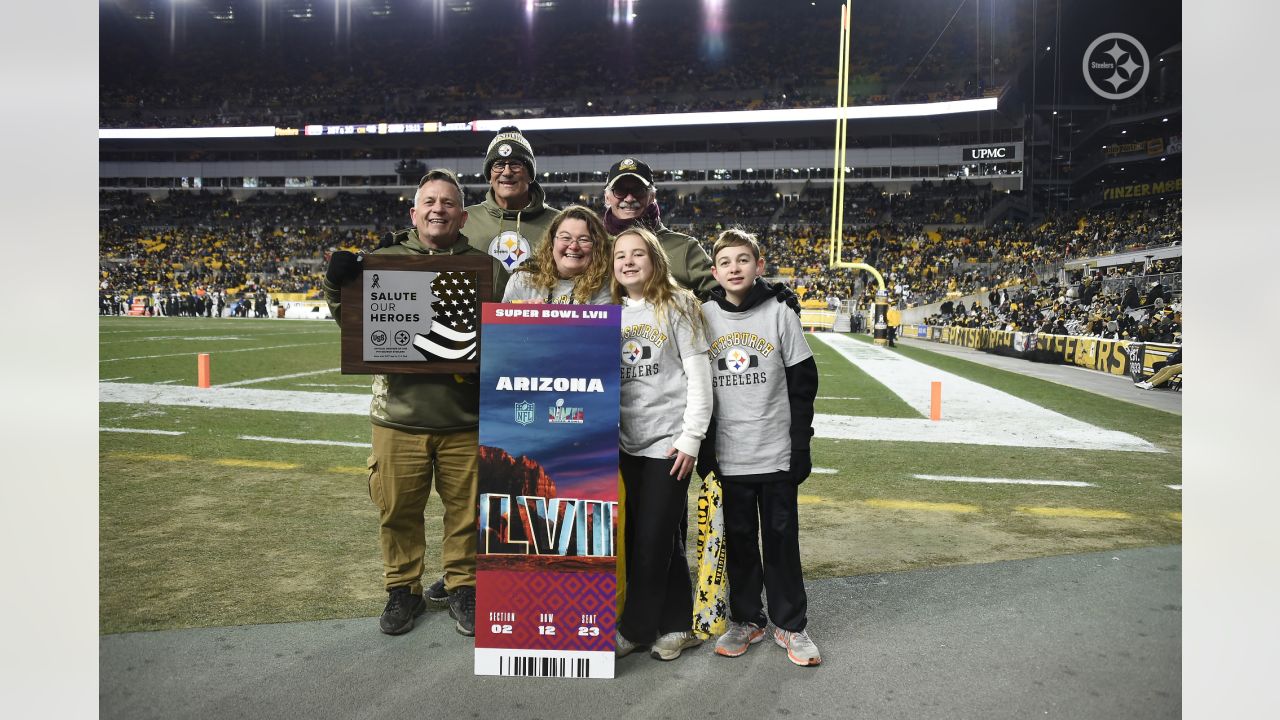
[1109,356]
[548,490]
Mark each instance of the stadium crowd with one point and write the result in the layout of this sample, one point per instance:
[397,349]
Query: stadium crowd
[195,242]
[1082,307]
[303,73]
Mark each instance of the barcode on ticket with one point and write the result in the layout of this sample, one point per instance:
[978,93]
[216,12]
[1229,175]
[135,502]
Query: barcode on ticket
[531,663]
[529,666]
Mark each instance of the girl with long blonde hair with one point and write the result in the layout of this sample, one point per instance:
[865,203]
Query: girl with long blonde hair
[665,408]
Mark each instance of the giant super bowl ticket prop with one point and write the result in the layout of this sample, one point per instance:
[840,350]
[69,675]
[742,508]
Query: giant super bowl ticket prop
[548,490]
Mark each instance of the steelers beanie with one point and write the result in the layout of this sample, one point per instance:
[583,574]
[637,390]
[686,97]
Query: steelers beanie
[509,144]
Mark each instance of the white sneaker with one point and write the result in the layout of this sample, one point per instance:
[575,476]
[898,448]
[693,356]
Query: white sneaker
[738,638]
[622,646]
[800,649]
[1144,385]
[669,646]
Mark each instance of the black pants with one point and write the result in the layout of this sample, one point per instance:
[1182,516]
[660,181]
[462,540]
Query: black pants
[767,511]
[659,592]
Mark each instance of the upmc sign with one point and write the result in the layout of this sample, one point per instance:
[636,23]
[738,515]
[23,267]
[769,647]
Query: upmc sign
[988,153]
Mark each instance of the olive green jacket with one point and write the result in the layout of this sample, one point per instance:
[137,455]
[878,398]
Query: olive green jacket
[690,263]
[486,222]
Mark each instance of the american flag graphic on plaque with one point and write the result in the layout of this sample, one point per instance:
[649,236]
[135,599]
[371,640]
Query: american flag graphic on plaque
[453,323]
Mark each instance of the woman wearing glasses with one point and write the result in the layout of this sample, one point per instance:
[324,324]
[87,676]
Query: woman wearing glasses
[570,266]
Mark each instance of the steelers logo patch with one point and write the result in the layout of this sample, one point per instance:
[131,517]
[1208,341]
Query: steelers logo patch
[504,149]
[509,248]
[627,164]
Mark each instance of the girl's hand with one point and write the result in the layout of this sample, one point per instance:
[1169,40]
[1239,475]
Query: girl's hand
[683,465]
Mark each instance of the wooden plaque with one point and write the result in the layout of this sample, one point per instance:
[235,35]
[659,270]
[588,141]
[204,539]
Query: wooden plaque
[415,314]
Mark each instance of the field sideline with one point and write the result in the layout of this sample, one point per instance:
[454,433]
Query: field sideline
[213,515]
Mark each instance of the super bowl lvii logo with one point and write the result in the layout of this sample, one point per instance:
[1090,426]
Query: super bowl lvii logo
[1116,66]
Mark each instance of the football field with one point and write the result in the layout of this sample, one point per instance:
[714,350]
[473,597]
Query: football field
[247,502]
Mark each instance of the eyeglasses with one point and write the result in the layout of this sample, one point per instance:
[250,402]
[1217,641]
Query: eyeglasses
[500,166]
[569,240]
[622,191]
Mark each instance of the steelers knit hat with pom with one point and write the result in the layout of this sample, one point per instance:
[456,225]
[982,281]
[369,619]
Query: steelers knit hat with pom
[509,144]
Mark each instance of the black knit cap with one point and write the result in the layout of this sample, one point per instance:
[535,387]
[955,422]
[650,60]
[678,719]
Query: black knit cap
[509,144]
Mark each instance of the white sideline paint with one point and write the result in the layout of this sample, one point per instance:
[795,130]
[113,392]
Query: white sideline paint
[824,471]
[255,381]
[835,397]
[126,377]
[166,382]
[142,431]
[972,413]
[354,385]
[1004,481]
[236,398]
[1174,487]
[298,441]
[220,352]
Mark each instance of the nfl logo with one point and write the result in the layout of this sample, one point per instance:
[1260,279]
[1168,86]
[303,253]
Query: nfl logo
[524,413]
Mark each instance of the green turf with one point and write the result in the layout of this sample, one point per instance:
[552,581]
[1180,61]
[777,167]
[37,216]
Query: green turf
[187,540]
[1155,426]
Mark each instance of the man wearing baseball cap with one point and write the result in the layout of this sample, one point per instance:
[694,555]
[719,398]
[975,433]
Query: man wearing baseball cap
[510,222]
[630,198]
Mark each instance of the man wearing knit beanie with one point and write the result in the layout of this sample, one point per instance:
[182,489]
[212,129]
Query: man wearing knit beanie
[631,198]
[508,225]
[510,222]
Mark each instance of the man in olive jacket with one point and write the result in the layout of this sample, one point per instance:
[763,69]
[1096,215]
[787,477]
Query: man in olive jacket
[630,198]
[511,221]
[425,428]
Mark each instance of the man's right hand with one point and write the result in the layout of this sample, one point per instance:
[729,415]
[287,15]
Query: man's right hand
[343,266]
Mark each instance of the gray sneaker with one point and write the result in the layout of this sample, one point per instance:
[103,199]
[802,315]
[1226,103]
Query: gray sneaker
[669,646]
[738,638]
[800,649]
[622,646]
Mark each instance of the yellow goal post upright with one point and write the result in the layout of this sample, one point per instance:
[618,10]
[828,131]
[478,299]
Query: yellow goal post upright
[838,178]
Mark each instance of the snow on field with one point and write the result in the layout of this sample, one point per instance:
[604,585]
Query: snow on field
[971,413]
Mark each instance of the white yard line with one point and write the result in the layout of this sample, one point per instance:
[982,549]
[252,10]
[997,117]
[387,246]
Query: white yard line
[164,382]
[364,385]
[1174,487]
[254,381]
[824,471]
[126,377]
[972,413]
[1004,481]
[236,398]
[835,397]
[220,352]
[141,431]
[298,441]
